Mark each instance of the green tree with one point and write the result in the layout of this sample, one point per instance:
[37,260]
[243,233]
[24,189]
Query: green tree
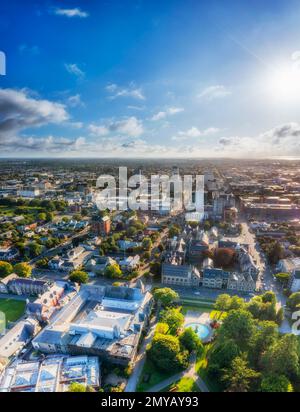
[35,249]
[166,296]
[293,302]
[239,327]
[162,328]
[190,340]
[165,353]
[79,276]
[264,336]
[147,243]
[42,216]
[77,387]
[276,383]
[173,318]
[275,252]
[23,270]
[283,278]
[223,302]
[236,303]
[49,216]
[282,357]
[174,230]
[221,355]
[5,269]
[280,316]
[239,376]
[113,271]
[131,231]
[269,297]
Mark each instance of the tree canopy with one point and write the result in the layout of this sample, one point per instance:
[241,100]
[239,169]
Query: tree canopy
[23,269]
[166,296]
[173,318]
[165,353]
[276,383]
[190,340]
[113,271]
[79,276]
[5,269]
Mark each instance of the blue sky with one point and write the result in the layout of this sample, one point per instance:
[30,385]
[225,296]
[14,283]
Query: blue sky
[150,78]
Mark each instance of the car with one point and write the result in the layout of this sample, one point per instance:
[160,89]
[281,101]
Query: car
[197,293]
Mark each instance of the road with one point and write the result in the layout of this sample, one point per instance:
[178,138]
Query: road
[266,273]
[56,250]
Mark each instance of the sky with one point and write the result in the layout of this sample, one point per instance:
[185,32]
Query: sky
[150,78]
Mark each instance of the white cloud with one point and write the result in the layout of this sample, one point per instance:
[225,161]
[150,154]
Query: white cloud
[194,132]
[76,12]
[49,144]
[75,101]
[19,110]
[130,126]
[131,91]
[282,140]
[139,108]
[98,130]
[214,92]
[170,111]
[74,69]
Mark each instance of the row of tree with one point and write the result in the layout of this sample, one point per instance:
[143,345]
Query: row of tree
[22,269]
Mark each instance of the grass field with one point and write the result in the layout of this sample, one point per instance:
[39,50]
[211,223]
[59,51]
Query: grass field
[12,308]
[153,376]
[185,384]
[10,211]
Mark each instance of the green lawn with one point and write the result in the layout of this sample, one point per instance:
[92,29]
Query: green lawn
[151,376]
[185,384]
[192,308]
[197,305]
[12,308]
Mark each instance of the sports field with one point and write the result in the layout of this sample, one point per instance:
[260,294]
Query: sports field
[13,310]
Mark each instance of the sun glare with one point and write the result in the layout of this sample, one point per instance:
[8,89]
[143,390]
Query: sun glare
[284,83]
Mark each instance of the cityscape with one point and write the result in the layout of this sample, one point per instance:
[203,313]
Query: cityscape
[149,198]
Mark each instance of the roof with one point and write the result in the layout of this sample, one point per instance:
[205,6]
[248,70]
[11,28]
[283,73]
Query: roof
[213,273]
[27,281]
[175,270]
[16,337]
[8,278]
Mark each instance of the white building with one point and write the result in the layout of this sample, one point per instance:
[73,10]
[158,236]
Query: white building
[29,193]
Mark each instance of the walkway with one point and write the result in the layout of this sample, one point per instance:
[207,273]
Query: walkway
[189,373]
[140,361]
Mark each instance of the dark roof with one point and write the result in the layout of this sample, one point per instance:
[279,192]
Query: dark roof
[213,273]
[175,270]
[25,281]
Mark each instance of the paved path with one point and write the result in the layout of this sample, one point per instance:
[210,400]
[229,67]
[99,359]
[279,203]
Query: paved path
[189,373]
[163,384]
[140,361]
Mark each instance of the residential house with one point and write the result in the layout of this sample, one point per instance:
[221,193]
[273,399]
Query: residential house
[8,253]
[130,263]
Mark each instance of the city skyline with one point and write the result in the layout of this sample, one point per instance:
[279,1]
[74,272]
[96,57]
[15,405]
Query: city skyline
[145,79]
